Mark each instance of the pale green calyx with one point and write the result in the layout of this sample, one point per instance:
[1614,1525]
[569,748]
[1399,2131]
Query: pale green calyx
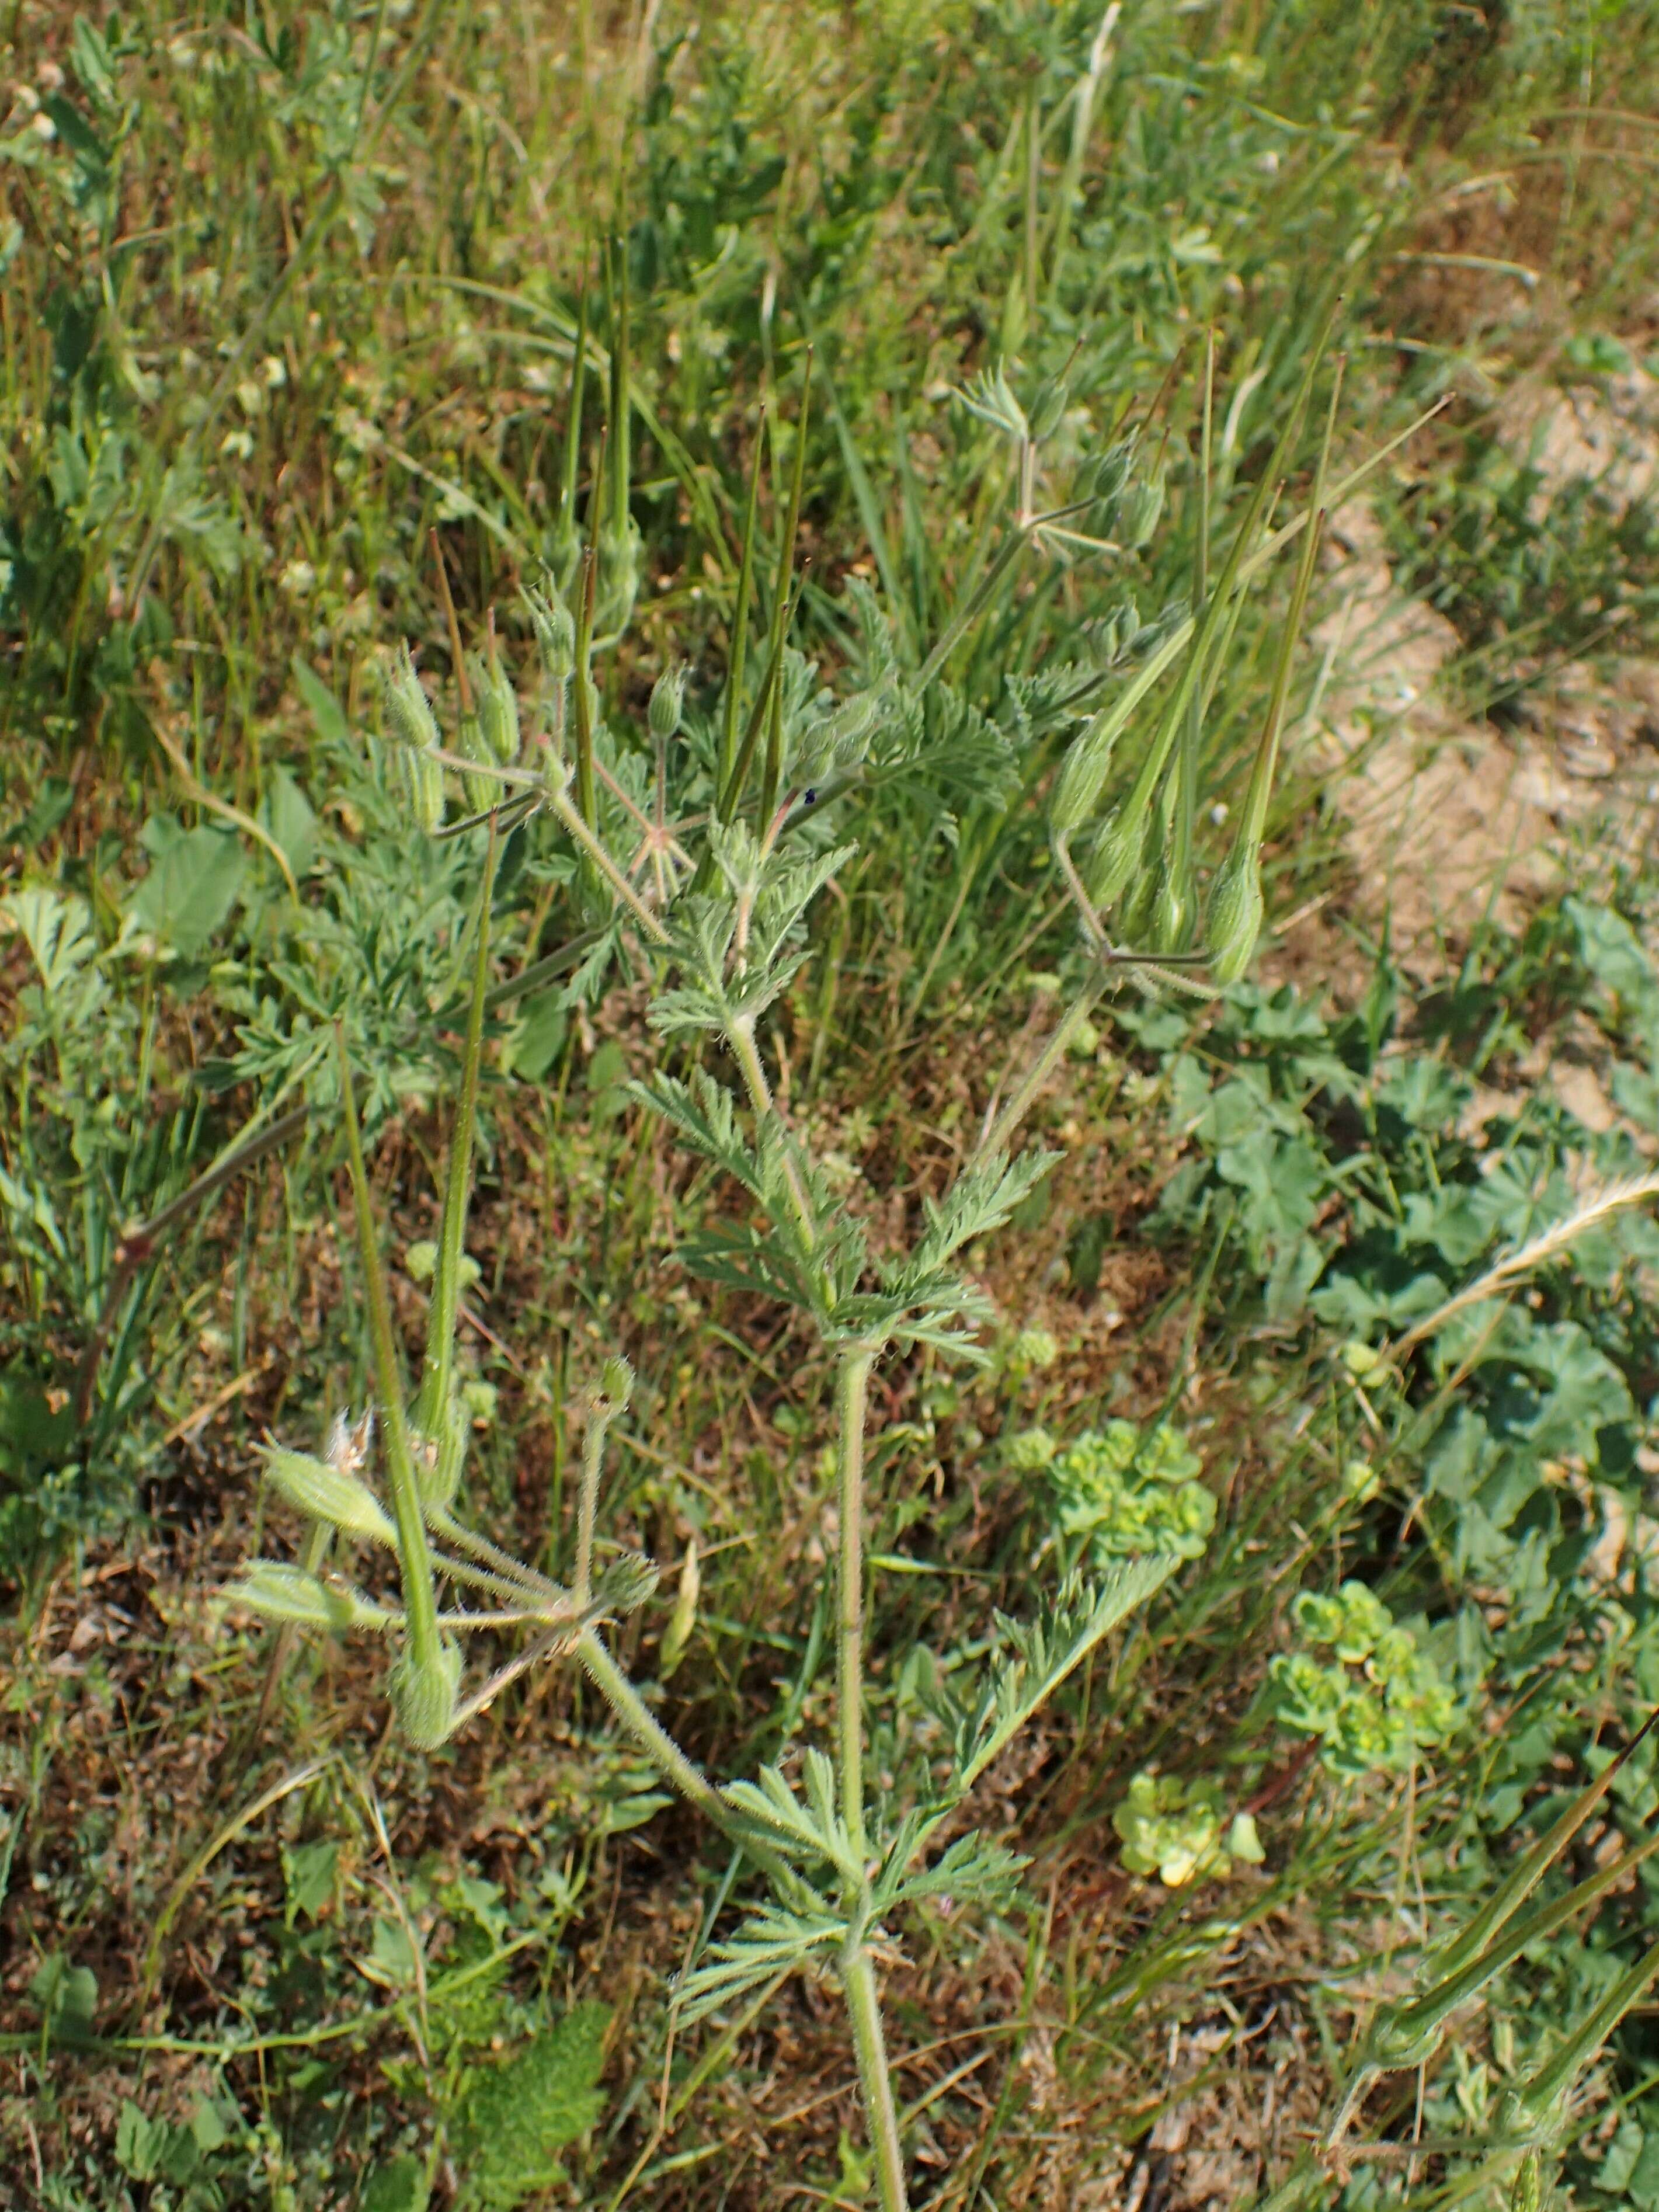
[279,1592]
[616,1383]
[498,710]
[1236,915]
[683,1619]
[329,1493]
[423,783]
[667,703]
[409,717]
[423,1693]
[555,632]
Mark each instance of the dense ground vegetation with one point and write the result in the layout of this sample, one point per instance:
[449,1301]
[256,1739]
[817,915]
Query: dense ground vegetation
[1343,1290]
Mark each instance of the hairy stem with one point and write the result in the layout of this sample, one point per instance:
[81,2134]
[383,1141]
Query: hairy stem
[592,1461]
[503,1567]
[665,1755]
[741,1036]
[858,1979]
[415,1560]
[432,1405]
[636,1717]
[1019,1102]
[852,1390]
[560,804]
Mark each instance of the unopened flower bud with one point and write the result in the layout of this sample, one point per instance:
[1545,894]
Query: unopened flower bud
[328,1493]
[555,632]
[1083,775]
[622,557]
[1117,850]
[423,1693]
[1104,478]
[667,702]
[1172,912]
[482,792]
[617,1382]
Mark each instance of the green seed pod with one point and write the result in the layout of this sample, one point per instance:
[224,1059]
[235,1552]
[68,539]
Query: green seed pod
[667,703]
[424,780]
[1143,506]
[1236,915]
[438,1463]
[328,1493]
[1048,408]
[617,1382]
[408,716]
[498,711]
[276,1591]
[1083,775]
[424,1697]
[1171,921]
[683,1619]
[555,633]
[1115,855]
[482,792]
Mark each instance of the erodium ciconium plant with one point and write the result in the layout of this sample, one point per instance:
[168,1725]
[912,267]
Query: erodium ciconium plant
[698,851]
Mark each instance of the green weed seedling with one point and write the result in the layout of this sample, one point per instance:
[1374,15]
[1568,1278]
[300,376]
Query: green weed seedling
[1359,1686]
[1127,1494]
[1182,1831]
